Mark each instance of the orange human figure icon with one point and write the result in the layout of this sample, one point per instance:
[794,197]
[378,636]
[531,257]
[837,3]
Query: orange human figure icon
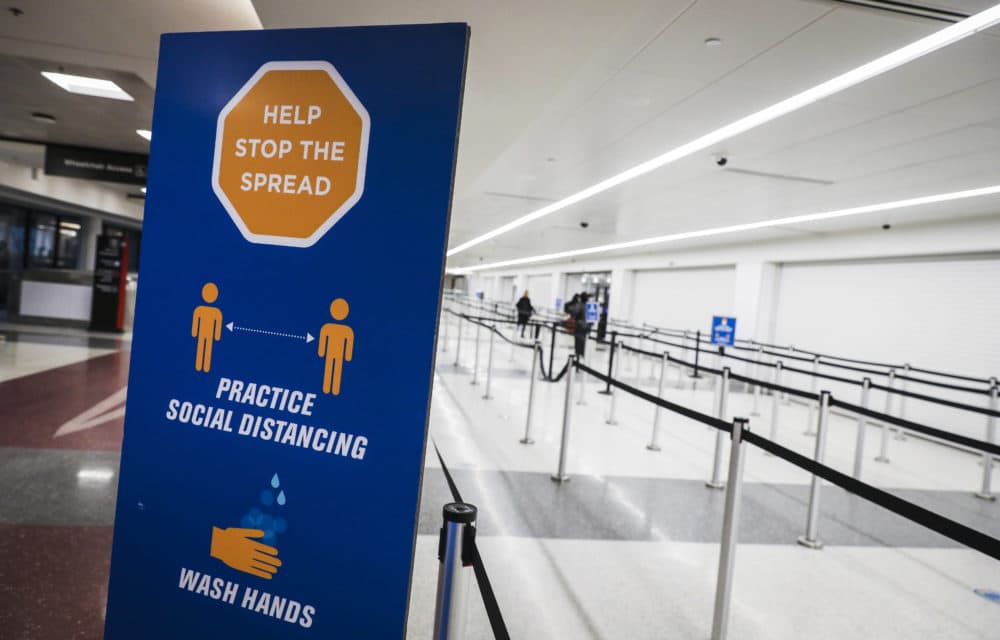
[336,344]
[206,326]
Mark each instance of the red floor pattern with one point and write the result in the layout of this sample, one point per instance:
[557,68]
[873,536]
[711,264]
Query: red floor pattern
[33,407]
[53,582]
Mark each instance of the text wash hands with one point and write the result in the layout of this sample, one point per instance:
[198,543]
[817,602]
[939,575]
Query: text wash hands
[269,148]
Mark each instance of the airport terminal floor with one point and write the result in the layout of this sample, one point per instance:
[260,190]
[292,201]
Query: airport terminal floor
[628,547]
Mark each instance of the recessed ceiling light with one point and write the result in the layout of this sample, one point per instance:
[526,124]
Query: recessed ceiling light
[854,77]
[96,87]
[46,118]
[713,42]
[145,133]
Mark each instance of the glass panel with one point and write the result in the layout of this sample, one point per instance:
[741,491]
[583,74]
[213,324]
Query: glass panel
[42,240]
[70,236]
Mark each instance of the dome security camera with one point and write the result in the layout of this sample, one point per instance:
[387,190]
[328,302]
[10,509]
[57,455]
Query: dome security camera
[721,160]
[584,225]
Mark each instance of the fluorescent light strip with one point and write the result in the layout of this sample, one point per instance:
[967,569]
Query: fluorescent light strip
[145,133]
[888,62]
[85,86]
[736,228]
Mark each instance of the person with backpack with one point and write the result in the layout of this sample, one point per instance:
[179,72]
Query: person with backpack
[524,311]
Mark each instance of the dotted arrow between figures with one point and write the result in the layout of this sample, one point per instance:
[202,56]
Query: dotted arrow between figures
[232,326]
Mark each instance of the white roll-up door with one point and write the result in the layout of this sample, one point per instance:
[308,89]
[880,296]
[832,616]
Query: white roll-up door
[540,291]
[939,314]
[683,298]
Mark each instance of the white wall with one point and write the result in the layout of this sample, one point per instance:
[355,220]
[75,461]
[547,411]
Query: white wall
[683,298]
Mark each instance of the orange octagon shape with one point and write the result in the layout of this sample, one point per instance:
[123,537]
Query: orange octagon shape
[290,153]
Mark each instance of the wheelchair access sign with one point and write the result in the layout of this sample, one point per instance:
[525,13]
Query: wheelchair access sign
[723,330]
[277,409]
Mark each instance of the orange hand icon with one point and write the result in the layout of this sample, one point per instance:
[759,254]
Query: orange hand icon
[236,548]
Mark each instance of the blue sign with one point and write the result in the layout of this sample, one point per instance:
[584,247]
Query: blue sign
[559,305]
[278,399]
[723,330]
[592,311]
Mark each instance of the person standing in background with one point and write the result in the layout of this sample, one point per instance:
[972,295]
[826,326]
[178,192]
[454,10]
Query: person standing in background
[524,311]
[580,325]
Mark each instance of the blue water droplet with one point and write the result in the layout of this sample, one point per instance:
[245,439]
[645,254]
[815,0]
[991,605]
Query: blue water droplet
[281,498]
[275,482]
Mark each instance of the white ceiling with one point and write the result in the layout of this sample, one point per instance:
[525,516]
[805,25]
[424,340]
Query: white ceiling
[563,93]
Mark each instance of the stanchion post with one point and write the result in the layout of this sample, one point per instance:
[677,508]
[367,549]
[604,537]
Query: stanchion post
[444,329]
[697,353]
[453,575]
[756,388]
[859,439]
[489,365]
[560,474]
[905,387]
[986,490]
[458,345]
[536,353]
[475,359]
[654,438]
[552,347]
[812,407]
[614,396]
[811,537]
[611,363]
[720,436]
[730,533]
[580,400]
[639,357]
[775,404]
[883,453]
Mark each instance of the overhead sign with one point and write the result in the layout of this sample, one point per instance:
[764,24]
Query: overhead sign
[95,164]
[268,487]
[723,330]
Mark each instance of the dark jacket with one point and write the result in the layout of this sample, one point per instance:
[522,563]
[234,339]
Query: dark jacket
[524,307]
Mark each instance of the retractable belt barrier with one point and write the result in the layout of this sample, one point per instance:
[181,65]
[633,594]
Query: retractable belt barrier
[949,528]
[472,555]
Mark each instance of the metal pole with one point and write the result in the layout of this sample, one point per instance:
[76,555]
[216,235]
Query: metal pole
[475,360]
[859,441]
[906,387]
[489,365]
[883,454]
[985,491]
[811,539]
[458,346]
[614,396]
[720,436]
[453,577]
[812,407]
[552,348]
[560,474]
[579,385]
[536,353]
[774,401]
[654,439]
[756,387]
[639,356]
[611,362]
[697,352]
[730,533]
[444,330]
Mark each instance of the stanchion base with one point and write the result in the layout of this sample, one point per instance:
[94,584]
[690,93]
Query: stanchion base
[611,422]
[986,496]
[606,393]
[560,479]
[809,544]
[526,441]
[882,459]
[715,485]
[653,447]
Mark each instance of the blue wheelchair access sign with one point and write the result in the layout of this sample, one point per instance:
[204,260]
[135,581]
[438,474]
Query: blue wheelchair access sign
[592,311]
[723,330]
[277,407]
